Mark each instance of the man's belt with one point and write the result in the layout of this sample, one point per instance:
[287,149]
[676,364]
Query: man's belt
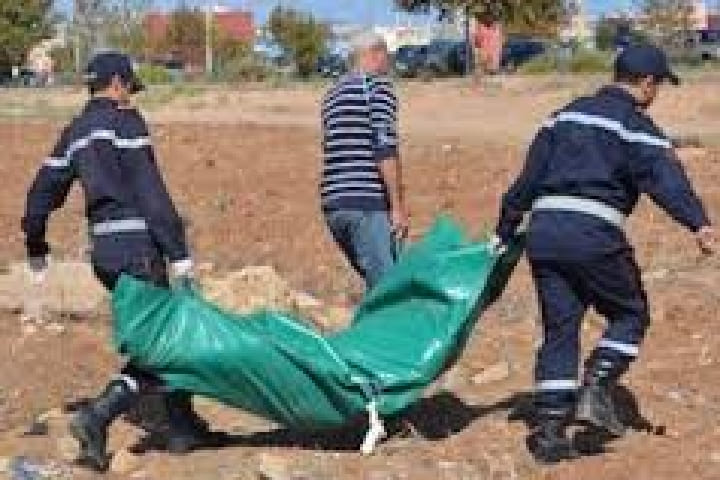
[109,227]
[595,208]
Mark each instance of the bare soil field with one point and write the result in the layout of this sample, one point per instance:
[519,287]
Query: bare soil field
[242,164]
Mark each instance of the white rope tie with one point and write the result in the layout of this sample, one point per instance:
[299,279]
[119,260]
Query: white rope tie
[375,433]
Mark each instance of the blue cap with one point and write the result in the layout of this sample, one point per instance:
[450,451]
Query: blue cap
[104,66]
[645,60]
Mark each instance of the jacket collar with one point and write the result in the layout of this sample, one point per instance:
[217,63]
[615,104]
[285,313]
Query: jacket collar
[101,102]
[618,93]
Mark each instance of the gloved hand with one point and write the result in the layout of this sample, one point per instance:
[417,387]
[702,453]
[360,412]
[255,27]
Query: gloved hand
[182,275]
[497,246]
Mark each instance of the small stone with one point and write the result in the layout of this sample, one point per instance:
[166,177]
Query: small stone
[715,457]
[659,274]
[305,300]
[5,464]
[52,414]
[445,465]
[29,329]
[494,373]
[140,474]
[675,396]
[706,358]
[124,462]
[67,448]
[447,148]
[272,467]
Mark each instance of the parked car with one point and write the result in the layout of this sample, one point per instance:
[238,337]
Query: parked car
[25,78]
[332,65]
[445,58]
[518,51]
[410,60]
[708,46]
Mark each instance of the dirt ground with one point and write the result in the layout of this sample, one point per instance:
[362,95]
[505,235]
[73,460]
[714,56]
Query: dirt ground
[242,164]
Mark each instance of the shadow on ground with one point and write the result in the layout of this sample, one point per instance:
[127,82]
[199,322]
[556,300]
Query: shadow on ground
[432,419]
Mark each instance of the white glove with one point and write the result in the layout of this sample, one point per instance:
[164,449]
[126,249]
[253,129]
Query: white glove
[182,268]
[182,274]
[497,246]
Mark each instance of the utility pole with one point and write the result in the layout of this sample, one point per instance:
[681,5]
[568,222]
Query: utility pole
[208,39]
[468,43]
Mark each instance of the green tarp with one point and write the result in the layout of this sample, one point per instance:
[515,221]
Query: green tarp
[405,333]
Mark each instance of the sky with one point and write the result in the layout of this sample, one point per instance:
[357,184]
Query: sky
[353,11]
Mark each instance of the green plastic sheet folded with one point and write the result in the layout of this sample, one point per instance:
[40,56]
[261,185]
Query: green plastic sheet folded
[405,333]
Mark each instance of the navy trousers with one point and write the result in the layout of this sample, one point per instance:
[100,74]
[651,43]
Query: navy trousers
[566,289]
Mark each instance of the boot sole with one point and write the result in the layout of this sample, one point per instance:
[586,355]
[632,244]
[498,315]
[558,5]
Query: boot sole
[80,432]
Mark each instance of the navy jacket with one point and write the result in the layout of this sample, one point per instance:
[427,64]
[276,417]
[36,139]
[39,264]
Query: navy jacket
[108,149]
[601,148]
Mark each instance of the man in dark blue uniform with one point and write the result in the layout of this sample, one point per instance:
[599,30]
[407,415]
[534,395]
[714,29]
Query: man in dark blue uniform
[134,229]
[585,171]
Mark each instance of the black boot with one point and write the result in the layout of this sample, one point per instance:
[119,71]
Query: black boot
[90,424]
[596,406]
[187,430]
[548,441]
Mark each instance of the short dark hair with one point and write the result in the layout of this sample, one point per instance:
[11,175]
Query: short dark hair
[96,86]
[631,78]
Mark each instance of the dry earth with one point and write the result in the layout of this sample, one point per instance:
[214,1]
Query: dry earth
[242,163]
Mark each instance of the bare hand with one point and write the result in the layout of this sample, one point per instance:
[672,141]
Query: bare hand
[400,222]
[707,240]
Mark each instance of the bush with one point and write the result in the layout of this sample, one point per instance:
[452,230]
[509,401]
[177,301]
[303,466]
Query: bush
[153,74]
[581,61]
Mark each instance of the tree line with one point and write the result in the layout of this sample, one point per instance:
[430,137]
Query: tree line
[120,24]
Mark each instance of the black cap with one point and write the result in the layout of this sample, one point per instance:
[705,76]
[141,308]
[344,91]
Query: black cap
[103,66]
[645,60]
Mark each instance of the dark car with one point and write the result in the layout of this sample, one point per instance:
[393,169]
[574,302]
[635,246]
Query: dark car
[332,65]
[518,51]
[709,44]
[410,60]
[25,78]
[445,58]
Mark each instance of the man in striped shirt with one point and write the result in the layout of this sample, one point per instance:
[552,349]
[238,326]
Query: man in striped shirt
[361,190]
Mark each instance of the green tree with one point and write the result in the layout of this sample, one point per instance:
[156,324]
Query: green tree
[23,23]
[667,21]
[531,16]
[186,34]
[301,34]
[124,24]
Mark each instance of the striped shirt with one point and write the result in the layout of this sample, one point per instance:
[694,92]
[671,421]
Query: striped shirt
[359,122]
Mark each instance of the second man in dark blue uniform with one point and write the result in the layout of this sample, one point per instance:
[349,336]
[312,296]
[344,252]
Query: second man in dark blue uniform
[585,172]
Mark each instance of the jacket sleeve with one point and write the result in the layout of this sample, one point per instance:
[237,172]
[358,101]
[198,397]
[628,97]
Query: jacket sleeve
[519,198]
[384,119]
[47,193]
[657,171]
[137,159]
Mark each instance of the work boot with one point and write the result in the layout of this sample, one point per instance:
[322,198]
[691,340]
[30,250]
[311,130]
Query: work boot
[596,406]
[548,441]
[186,430]
[90,424]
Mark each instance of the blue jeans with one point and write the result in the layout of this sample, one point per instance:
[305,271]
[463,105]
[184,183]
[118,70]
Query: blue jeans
[366,239]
